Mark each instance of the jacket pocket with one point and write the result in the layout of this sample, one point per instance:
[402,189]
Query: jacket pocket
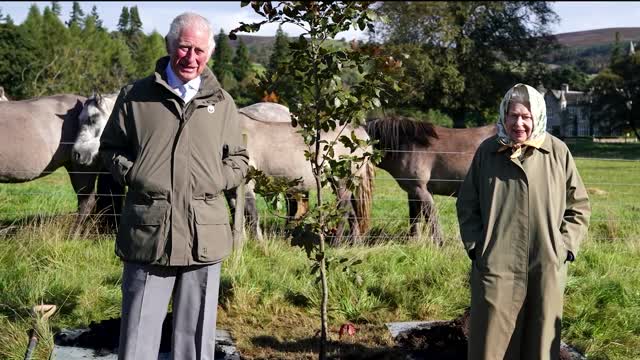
[213,237]
[143,232]
[561,248]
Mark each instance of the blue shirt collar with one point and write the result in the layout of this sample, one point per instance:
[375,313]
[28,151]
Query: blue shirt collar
[175,82]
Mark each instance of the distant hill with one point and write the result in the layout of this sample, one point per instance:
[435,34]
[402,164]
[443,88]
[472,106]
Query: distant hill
[260,47]
[590,50]
[598,36]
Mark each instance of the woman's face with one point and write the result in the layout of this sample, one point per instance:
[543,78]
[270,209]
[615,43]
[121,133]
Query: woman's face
[518,122]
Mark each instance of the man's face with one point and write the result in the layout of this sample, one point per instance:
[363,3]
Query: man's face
[191,53]
[518,122]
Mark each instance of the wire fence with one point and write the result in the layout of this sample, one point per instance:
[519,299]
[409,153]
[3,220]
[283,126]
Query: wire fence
[395,205]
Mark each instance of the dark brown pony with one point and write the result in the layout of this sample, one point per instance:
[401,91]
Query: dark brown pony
[426,160]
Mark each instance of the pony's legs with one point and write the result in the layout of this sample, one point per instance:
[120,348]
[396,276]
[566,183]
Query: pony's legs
[109,201]
[251,214]
[250,210]
[345,198]
[83,180]
[428,210]
[414,212]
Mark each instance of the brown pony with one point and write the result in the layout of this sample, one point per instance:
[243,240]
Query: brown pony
[425,159]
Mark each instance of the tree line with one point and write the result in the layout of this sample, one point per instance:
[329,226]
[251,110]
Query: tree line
[457,59]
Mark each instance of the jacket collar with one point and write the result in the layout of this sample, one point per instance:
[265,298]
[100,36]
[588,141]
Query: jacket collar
[546,145]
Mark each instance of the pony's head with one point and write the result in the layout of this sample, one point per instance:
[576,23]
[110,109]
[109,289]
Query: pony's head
[92,120]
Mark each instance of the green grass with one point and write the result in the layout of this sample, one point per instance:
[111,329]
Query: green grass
[269,301]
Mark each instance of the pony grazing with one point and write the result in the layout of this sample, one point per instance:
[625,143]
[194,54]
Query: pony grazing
[36,138]
[425,159]
[277,149]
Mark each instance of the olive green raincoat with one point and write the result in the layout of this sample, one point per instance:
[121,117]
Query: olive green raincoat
[519,218]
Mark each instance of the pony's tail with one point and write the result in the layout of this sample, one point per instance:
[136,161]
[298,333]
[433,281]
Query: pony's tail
[364,197]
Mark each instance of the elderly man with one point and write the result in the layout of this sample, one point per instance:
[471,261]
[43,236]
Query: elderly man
[523,211]
[174,139]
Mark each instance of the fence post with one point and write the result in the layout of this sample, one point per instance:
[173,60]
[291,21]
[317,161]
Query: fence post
[238,223]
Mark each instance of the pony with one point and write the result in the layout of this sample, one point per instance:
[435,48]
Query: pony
[265,124]
[3,96]
[91,122]
[276,149]
[425,160]
[36,138]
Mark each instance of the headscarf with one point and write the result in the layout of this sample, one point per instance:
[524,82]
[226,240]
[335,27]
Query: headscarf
[538,110]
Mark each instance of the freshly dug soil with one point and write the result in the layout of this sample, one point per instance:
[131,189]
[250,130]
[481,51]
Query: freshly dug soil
[444,340]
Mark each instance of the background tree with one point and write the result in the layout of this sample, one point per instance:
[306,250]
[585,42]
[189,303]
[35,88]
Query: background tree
[241,62]
[77,15]
[616,96]
[151,49]
[223,62]
[281,82]
[95,17]
[123,21]
[479,49]
[56,8]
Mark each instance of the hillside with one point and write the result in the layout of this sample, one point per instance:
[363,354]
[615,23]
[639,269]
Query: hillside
[598,36]
[260,46]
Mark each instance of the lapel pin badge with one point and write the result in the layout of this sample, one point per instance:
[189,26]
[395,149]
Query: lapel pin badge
[211,109]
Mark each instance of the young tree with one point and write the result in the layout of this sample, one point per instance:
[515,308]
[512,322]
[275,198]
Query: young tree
[324,103]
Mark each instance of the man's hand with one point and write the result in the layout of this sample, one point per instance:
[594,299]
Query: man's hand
[570,257]
[472,254]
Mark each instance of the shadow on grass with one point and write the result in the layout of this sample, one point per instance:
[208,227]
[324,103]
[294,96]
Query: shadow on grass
[336,349]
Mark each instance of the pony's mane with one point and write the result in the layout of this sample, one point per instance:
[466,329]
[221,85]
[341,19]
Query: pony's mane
[393,132]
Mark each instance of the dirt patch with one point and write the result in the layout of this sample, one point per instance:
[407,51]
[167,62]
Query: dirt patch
[447,340]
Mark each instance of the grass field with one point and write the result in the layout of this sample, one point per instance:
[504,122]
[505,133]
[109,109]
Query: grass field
[269,301]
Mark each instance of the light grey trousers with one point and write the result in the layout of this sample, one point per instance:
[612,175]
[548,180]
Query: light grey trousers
[146,292]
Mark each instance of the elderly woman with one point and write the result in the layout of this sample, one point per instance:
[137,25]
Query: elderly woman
[523,211]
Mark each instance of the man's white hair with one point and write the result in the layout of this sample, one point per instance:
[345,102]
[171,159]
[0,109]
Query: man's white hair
[184,20]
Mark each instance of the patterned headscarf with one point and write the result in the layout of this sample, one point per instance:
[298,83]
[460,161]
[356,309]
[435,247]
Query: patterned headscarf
[538,112]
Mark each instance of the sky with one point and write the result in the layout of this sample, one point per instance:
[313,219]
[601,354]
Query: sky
[574,16]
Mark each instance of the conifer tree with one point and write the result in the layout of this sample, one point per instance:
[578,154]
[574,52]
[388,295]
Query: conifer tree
[280,53]
[123,21]
[77,16]
[56,8]
[241,62]
[135,24]
[96,18]
[222,57]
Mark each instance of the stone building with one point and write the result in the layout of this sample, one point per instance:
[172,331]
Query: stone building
[568,112]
